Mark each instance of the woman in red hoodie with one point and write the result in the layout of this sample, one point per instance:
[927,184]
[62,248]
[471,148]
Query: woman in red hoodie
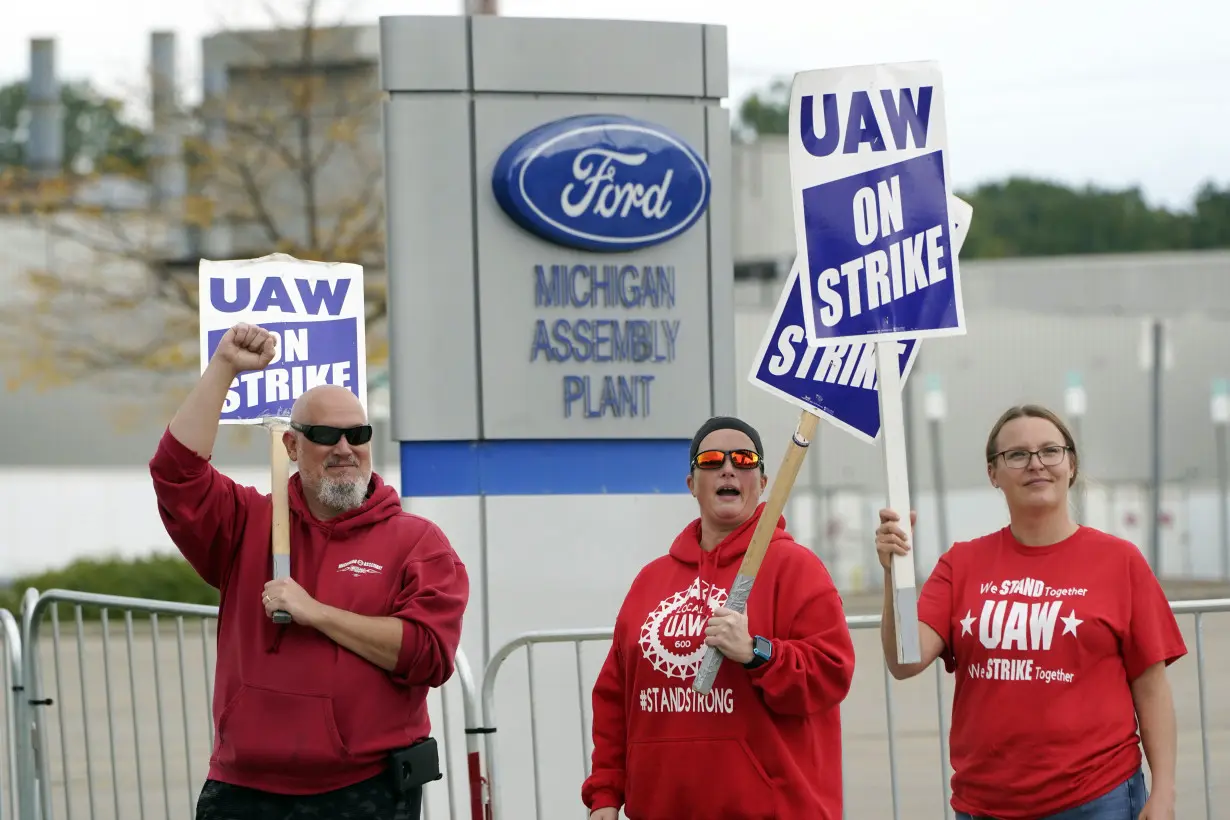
[765,743]
[1058,636]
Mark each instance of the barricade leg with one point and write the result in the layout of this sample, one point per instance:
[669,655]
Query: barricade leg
[14,727]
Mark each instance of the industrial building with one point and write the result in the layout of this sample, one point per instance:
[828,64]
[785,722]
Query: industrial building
[1034,325]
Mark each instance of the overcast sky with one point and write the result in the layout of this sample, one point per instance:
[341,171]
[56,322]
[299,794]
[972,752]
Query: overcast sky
[1113,93]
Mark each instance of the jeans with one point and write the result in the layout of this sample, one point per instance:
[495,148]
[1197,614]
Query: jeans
[1124,802]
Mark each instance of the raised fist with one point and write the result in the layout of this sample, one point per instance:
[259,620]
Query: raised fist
[246,347]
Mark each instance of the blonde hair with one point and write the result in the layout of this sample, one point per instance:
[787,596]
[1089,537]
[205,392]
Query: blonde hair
[1034,411]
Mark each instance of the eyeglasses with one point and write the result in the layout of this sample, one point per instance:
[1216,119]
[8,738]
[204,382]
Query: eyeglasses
[1019,459]
[739,459]
[329,436]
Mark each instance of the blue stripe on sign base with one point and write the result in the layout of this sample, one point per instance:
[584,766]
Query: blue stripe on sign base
[544,467]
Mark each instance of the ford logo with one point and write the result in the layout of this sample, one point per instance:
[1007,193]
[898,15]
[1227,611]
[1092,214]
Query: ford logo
[602,182]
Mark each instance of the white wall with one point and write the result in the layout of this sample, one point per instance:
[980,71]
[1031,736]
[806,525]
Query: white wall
[763,217]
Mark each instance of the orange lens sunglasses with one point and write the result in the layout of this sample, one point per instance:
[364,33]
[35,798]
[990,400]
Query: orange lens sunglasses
[714,459]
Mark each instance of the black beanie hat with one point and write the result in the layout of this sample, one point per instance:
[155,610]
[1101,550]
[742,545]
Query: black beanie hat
[725,423]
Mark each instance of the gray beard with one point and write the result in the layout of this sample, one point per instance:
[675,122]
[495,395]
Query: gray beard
[342,496]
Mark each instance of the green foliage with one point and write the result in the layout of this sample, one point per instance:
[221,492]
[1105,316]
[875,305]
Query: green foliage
[1210,223]
[97,136]
[1027,217]
[159,577]
[765,112]
[1031,217]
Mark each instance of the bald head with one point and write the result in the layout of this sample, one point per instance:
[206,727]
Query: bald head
[335,473]
[328,404]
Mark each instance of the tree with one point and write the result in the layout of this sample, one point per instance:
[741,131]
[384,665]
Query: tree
[1211,221]
[1029,217]
[97,134]
[765,112]
[283,156]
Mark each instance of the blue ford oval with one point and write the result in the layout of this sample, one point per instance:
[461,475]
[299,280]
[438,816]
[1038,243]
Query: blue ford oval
[602,182]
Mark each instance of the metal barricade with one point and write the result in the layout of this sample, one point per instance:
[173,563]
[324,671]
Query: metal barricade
[111,742]
[1198,610]
[10,676]
[909,729]
[529,640]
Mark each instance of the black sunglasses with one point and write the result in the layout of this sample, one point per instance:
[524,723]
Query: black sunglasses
[329,436]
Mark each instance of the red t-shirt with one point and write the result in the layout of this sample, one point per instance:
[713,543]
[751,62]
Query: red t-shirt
[1043,642]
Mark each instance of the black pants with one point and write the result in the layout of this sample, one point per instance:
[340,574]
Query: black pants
[371,799]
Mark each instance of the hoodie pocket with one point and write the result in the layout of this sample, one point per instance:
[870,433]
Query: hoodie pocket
[711,778]
[262,730]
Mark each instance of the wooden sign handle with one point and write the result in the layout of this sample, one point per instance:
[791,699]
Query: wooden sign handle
[783,482]
[279,474]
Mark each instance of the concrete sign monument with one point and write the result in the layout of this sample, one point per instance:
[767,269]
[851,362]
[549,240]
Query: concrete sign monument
[561,308]
[560,272]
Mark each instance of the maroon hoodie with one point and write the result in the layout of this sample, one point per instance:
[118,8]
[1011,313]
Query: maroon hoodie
[295,712]
[764,743]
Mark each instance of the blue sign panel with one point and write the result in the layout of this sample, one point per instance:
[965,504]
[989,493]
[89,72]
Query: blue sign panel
[312,353]
[838,380]
[602,182]
[835,381]
[874,277]
[871,187]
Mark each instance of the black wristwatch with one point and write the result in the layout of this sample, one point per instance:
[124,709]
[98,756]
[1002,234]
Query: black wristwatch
[762,651]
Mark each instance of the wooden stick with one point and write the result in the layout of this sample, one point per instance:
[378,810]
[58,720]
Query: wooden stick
[783,482]
[279,474]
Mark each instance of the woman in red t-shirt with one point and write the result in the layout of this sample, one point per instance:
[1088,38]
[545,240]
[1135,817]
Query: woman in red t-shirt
[1058,636]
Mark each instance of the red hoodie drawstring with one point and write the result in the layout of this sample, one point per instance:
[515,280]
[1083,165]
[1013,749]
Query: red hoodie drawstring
[700,577]
[708,560]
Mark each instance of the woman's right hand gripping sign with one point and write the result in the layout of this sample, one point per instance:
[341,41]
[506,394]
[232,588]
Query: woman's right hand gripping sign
[890,539]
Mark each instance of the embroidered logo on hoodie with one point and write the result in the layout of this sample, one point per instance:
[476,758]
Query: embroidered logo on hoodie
[357,567]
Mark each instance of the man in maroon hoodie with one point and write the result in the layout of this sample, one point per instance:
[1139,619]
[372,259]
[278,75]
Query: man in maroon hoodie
[326,716]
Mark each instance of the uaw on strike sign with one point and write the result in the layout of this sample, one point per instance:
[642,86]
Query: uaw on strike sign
[875,268]
[879,233]
[316,311]
[871,186]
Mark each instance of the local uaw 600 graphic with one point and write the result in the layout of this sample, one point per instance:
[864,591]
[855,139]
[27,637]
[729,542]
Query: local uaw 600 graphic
[673,640]
[1013,626]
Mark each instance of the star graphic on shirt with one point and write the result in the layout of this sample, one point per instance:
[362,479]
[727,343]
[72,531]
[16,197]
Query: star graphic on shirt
[967,623]
[1070,623]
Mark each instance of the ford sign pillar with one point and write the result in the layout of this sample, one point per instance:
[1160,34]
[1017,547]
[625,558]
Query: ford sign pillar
[559,251]
[561,305]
